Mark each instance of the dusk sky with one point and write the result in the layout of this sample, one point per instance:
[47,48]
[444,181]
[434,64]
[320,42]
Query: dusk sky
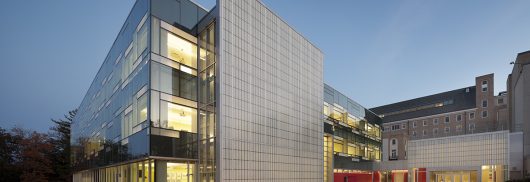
[376,52]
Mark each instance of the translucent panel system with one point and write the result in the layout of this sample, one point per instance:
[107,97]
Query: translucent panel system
[270,101]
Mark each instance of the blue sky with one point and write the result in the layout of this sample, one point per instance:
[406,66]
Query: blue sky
[376,52]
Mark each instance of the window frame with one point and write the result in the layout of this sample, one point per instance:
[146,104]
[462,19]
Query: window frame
[486,112]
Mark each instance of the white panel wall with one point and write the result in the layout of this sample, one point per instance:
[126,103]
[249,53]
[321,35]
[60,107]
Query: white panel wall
[472,150]
[271,88]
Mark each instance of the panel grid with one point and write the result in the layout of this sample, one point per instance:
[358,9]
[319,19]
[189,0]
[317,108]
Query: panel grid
[271,91]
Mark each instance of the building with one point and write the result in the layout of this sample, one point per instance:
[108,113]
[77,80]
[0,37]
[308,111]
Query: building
[187,94]
[518,85]
[352,139]
[431,137]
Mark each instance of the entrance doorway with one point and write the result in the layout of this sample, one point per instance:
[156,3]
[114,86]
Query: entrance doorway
[453,176]
[168,171]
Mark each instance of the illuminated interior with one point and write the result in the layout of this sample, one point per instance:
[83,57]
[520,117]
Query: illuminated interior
[456,176]
[179,172]
[338,146]
[180,118]
[181,50]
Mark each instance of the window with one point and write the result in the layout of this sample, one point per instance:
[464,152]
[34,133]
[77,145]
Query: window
[173,81]
[353,150]
[413,133]
[393,141]
[177,117]
[447,119]
[458,128]
[404,125]
[471,126]
[338,146]
[142,108]
[394,154]
[424,133]
[435,121]
[447,129]
[459,117]
[142,39]
[395,127]
[500,101]
[435,131]
[484,86]
[326,110]
[484,114]
[414,124]
[424,123]
[484,103]
[178,49]
[188,85]
[471,115]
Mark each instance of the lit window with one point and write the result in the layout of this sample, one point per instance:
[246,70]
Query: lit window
[326,110]
[338,146]
[177,117]
[178,49]
[178,171]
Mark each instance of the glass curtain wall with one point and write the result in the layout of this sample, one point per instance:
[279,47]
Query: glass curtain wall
[174,112]
[207,122]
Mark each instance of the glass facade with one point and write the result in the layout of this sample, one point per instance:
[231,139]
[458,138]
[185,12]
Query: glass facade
[142,111]
[352,133]
[152,112]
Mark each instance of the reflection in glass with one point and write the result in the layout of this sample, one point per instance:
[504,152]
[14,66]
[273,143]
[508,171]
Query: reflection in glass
[173,81]
[177,117]
[142,108]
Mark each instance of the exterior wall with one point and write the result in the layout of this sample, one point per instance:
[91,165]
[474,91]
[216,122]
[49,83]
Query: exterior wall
[519,97]
[453,123]
[491,148]
[102,131]
[516,155]
[485,124]
[401,137]
[270,98]
[353,134]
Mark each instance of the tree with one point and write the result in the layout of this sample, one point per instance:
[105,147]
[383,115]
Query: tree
[60,139]
[10,172]
[34,156]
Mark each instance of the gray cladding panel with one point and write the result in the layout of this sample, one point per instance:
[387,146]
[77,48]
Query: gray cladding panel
[270,105]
